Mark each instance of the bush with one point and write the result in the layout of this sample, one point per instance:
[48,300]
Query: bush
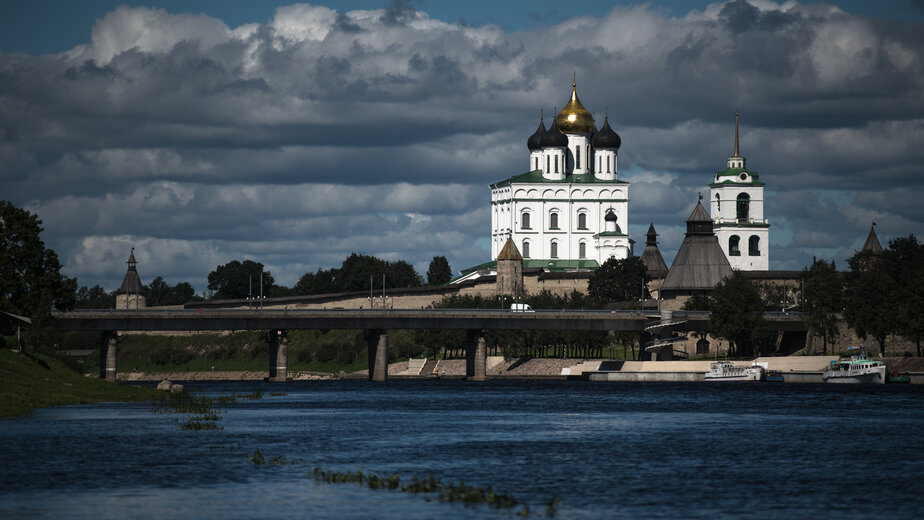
[170,355]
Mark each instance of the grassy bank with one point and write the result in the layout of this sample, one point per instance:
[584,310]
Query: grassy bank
[29,381]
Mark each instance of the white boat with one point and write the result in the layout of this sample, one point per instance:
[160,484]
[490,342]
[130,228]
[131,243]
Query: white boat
[728,371]
[858,369]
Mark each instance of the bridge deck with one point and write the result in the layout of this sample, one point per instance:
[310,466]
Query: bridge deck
[458,319]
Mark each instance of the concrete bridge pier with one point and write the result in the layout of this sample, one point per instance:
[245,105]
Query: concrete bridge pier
[476,357]
[107,355]
[377,347]
[279,356]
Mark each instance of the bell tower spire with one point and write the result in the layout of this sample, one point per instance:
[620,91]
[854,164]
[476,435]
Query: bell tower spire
[736,160]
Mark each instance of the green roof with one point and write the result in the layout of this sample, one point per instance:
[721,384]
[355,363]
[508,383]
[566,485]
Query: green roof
[735,172]
[536,176]
[733,183]
[549,263]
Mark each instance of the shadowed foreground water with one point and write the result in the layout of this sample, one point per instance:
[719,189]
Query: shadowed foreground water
[633,450]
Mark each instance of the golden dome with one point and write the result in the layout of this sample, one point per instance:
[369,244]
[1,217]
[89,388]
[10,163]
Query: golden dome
[574,118]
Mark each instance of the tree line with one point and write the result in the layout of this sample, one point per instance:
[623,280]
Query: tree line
[881,294]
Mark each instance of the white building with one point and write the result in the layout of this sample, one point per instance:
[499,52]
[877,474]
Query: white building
[737,210]
[570,211]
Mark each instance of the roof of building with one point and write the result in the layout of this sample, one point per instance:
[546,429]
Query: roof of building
[131,284]
[606,137]
[536,176]
[872,245]
[733,176]
[535,141]
[736,153]
[554,137]
[574,118]
[510,251]
[651,256]
[700,262]
[554,265]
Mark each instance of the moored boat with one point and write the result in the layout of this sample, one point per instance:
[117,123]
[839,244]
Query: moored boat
[859,368]
[728,371]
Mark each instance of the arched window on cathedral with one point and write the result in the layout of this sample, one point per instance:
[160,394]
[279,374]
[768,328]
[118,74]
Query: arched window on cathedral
[577,157]
[536,163]
[718,202]
[744,206]
[582,221]
[608,164]
[524,220]
[547,159]
[754,245]
[553,249]
[526,249]
[733,242]
[582,250]
[553,221]
[556,164]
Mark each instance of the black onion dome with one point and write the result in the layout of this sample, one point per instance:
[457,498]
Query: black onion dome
[554,137]
[610,216]
[535,141]
[606,137]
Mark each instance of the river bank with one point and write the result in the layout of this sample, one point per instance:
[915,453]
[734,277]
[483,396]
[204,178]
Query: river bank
[33,380]
[516,368]
[519,367]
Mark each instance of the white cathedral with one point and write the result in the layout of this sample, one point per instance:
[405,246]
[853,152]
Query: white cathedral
[570,211]
[737,210]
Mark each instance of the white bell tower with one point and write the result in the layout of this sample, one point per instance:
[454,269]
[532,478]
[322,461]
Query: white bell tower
[737,210]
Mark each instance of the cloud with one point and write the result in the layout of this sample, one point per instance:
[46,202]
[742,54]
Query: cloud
[321,132]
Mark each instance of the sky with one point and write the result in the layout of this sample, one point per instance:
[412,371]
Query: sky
[200,132]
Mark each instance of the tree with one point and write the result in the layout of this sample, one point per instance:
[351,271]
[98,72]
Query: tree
[159,292]
[697,302]
[401,274]
[183,292]
[904,261]
[31,283]
[619,281]
[871,304]
[824,301]
[355,274]
[439,271]
[236,280]
[95,297]
[321,282]
[737,314]
[357,270]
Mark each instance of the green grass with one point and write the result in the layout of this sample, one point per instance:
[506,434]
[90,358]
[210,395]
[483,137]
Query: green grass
[29,381]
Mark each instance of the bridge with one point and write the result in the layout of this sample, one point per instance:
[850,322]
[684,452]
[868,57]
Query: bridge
[376,321]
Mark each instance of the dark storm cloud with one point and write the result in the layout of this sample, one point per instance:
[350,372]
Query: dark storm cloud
[323,132]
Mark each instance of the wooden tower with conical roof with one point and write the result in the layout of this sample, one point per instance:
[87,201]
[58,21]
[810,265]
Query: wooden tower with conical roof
[131,294]
[510,271]
[700,263]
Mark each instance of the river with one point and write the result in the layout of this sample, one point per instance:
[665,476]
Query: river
[605,450]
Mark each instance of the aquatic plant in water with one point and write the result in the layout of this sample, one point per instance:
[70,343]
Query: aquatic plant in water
[445,492]
[259,460]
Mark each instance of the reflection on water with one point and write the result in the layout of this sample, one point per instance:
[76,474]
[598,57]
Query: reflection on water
[606,449]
